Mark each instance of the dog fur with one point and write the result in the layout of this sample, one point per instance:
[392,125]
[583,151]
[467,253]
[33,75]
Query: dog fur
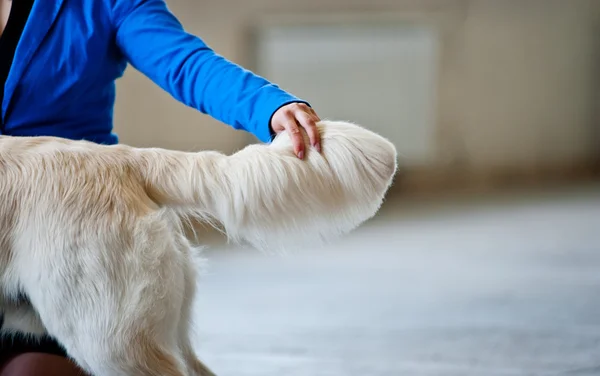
[94,235]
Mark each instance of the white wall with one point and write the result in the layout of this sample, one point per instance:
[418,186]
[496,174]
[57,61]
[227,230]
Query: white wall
[516,79]
[530,80]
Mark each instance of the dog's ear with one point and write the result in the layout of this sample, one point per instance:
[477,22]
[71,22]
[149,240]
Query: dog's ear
[275,201]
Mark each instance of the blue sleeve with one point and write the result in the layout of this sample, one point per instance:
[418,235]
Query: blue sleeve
[155,43]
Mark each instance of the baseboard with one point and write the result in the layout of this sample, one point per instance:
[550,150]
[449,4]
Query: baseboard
[450,180]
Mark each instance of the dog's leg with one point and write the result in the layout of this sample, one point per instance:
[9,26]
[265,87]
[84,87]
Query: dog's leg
[115,305]
[194,366]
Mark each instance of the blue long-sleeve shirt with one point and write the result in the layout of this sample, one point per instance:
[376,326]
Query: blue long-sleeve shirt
[62,81]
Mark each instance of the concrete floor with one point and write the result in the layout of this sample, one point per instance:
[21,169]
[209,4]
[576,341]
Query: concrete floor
[491,287]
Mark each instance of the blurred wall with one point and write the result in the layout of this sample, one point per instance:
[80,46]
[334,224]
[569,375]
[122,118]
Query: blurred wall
[530,81]
[517,80]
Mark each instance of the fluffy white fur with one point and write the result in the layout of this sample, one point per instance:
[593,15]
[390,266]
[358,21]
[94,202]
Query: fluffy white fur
[93,235]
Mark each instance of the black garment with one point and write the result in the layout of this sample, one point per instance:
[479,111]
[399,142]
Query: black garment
[19,343]
[9,40]
[19,13]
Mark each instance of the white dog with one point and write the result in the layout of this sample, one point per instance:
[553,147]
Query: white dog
[93,236]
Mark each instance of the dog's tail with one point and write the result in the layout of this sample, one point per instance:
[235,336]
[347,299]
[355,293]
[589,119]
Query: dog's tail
[266,196]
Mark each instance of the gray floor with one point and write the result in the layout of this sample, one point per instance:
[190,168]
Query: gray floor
[509,286]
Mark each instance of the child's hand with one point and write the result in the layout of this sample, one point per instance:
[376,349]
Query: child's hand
[290,117]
